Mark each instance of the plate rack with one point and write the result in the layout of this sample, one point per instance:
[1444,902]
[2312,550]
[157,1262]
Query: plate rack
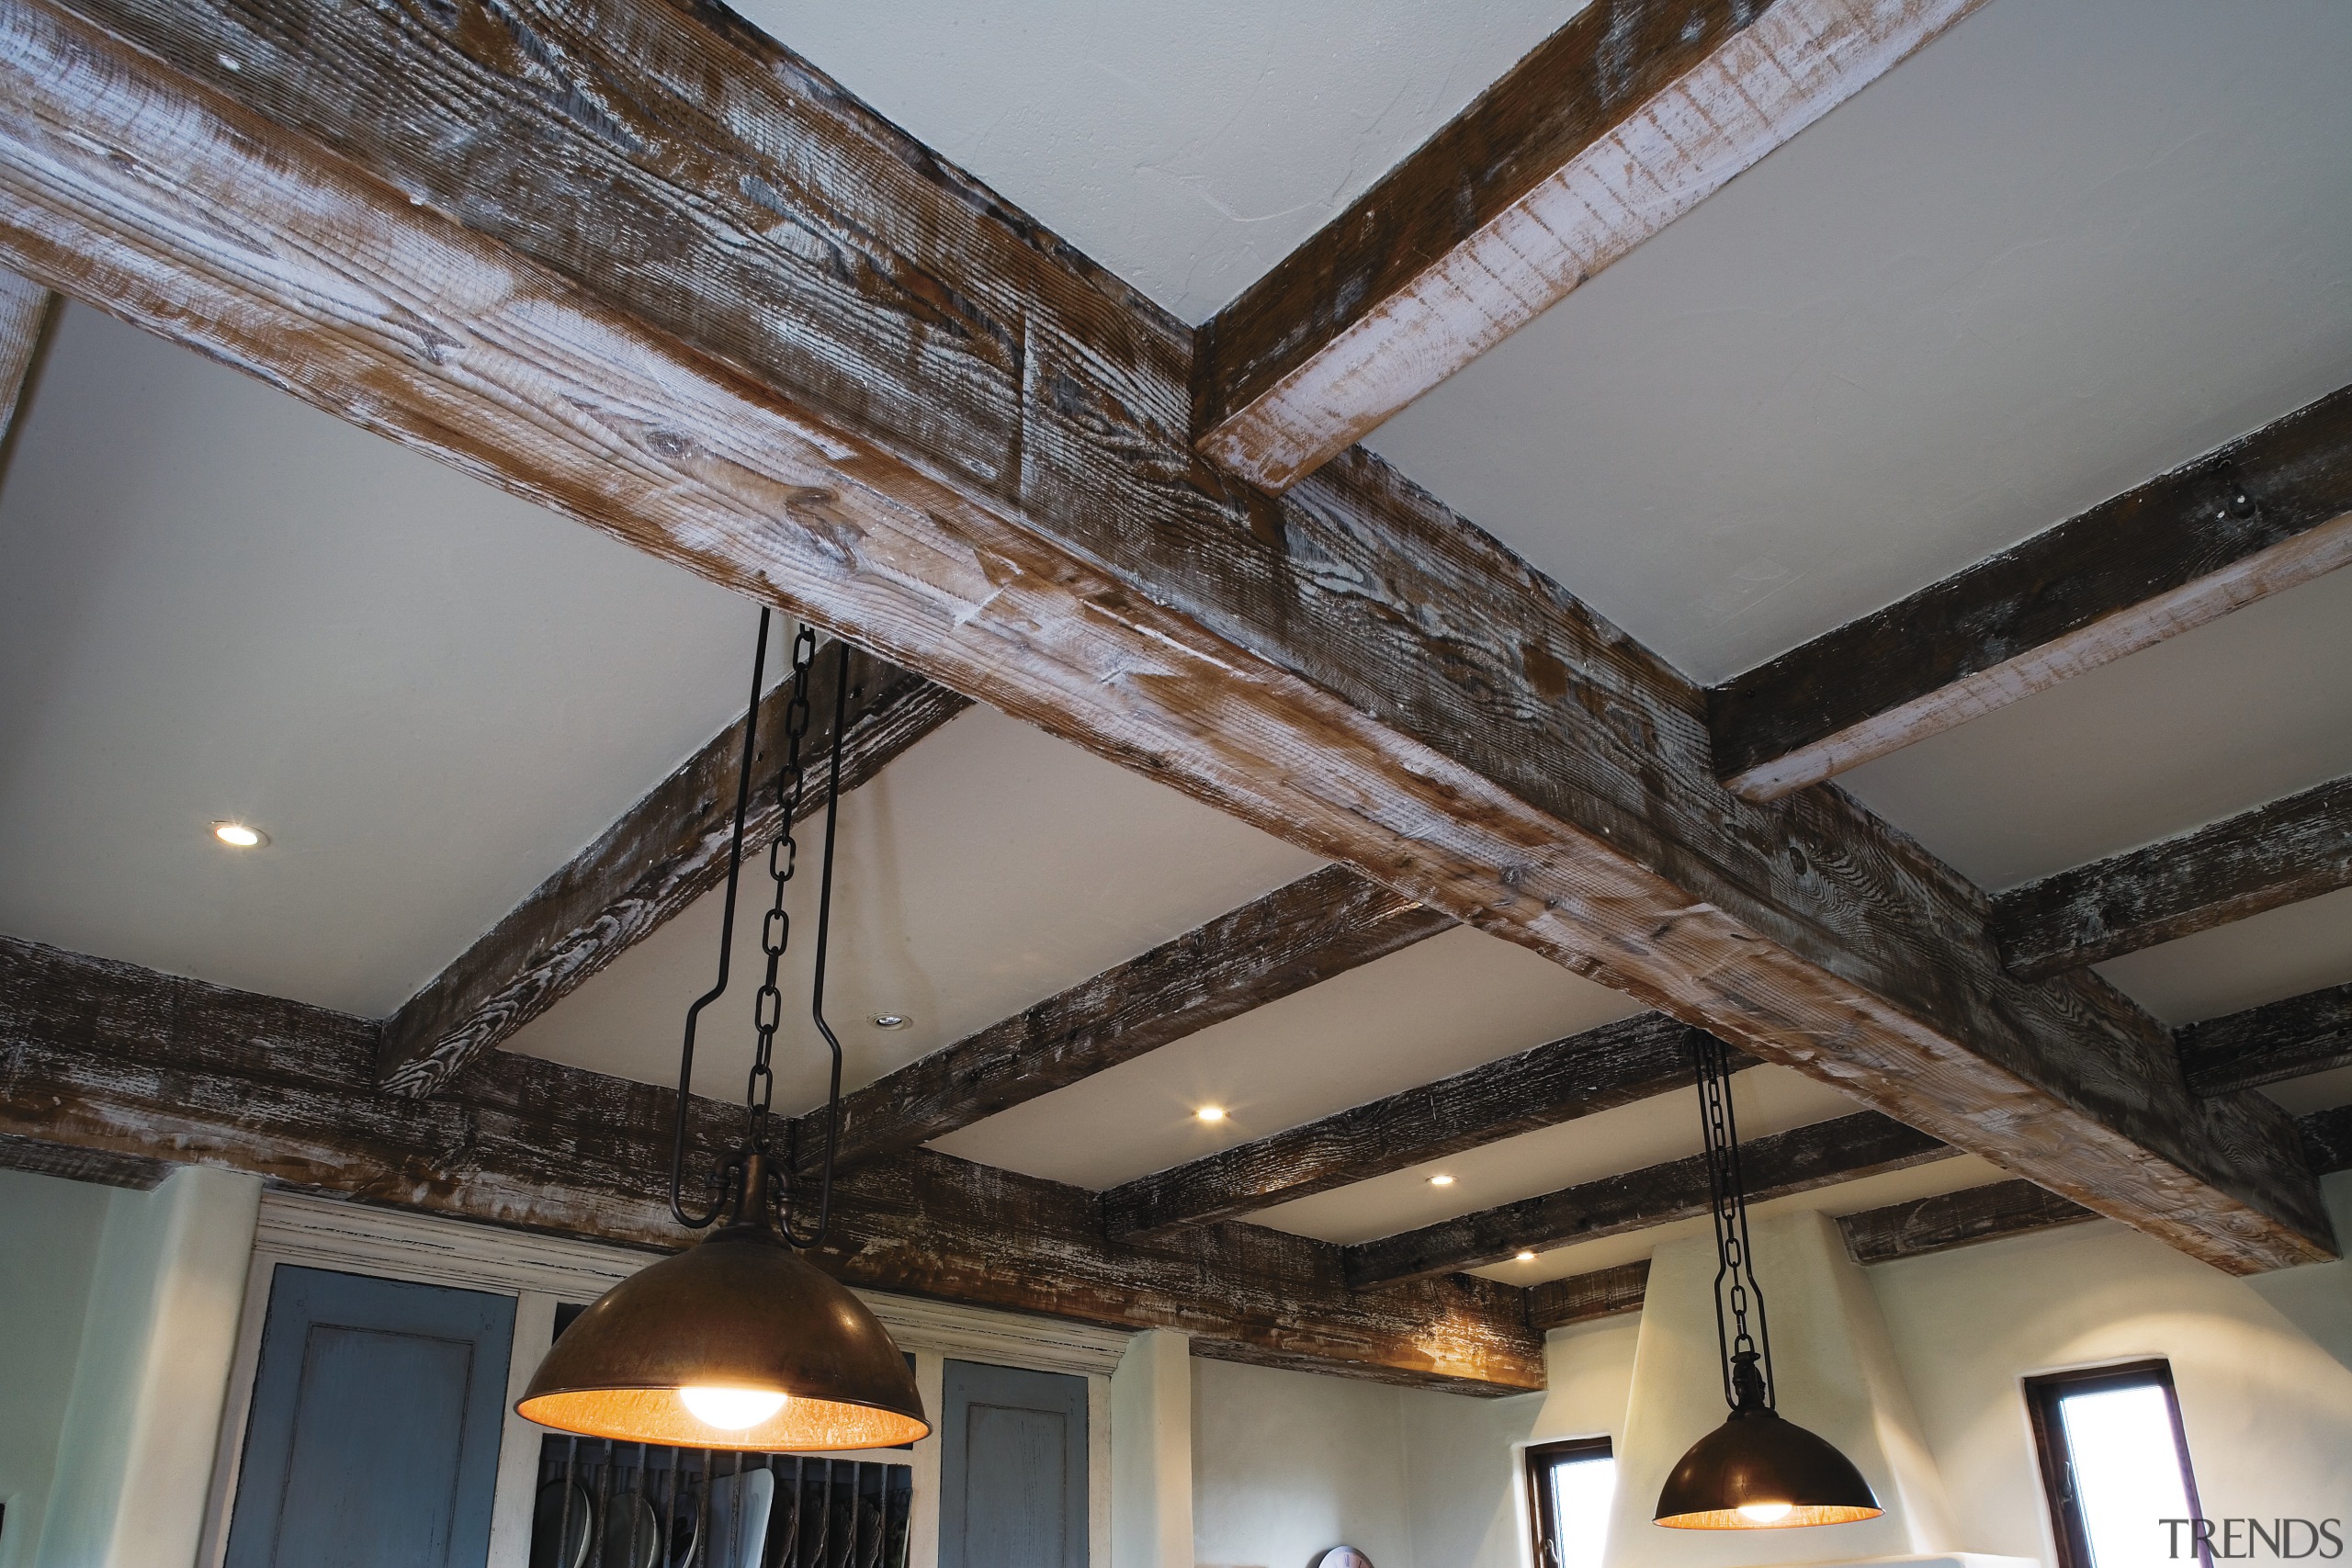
[824,1513]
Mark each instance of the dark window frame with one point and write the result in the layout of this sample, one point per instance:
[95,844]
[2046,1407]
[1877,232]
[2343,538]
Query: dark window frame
[2042,1396]
[1540,1459]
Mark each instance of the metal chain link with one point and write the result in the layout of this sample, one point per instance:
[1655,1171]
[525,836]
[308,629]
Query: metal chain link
[784,856]
[1736,1285]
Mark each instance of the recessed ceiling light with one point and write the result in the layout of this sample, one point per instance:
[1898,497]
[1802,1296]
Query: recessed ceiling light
[1526,1257]
[891,1020]
[1441,1180]
[1210,1113]
[236,835]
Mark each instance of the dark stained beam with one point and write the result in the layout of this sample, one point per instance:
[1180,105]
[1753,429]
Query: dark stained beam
[120,1062]
[1596,1070]
[696,296]
[1582,1298]
[27,310]
[1612,128]
[2246,521]
[1844,1150]
[96,1165]
[1324,924]
[2327,1139]
[1955,1219]
[665,851]
[2309,1033]
[2276,854]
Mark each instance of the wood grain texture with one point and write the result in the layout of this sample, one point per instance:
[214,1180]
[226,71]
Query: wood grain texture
[26,312]
[1612,128]
[2327,1139]
[654,273]
[2282,1040]
[117,1061]
[2278,853]
[2247,520]
[100,1167]
[1955,1219]
[1326,923]
[665,851]
[1595,1070]
[1844,1150]
[1581,1298]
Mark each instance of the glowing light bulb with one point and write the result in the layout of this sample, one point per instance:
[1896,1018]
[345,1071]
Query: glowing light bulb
[237,836]
[1210,1113]
[1765,1512]
[731,1409]
[1526,1257]
[1441,1180]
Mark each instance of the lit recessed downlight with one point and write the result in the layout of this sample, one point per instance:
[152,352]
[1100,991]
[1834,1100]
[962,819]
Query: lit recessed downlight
[891,1020]
[1526,1257]
[1441,1180]
[237,836]
[1210,1114]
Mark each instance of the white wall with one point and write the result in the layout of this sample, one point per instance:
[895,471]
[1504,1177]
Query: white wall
[135,1457]
[48,1247]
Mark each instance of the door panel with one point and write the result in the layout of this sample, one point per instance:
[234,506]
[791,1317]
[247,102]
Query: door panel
[373,1439]
[1012,1468]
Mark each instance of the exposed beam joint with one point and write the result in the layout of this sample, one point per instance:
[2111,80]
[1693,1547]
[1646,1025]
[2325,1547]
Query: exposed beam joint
[1844,1150]
[2290,1039]
[1595,1070]
[1613,127]
[2244,521]
[665,851]
[121,1063]
[2276,854]
[1324,924]
[855,383]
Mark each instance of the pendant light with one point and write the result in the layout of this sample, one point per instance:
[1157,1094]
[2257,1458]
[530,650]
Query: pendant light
[1757,1471]
[737,1342]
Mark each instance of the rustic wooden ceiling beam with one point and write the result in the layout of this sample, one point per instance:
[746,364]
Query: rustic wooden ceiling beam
[2244,521]
[1326,923]
[27,310]
[665,851]
[1598,1069]
[1843,1149]
[2327,1139]
[1610,129]
[701,299]
[2282,1040]
[1582,1298]
[108,1062]
[2276,854]
[1955,1219]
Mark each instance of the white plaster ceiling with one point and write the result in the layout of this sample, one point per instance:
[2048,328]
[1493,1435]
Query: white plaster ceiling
[987,867]
[216,602]
[1188,148]
[2065,246]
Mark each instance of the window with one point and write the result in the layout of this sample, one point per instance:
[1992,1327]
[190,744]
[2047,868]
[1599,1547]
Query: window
[1570,1486]
[2115,1464]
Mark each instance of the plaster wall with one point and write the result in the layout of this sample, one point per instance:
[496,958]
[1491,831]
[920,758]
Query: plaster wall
[135,1451]
[48,1247]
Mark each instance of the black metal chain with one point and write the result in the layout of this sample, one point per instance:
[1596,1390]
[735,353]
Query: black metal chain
[775,927]
[1736,1291]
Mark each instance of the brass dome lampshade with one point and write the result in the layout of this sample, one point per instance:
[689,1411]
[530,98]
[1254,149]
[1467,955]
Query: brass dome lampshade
[1757,1471]
[738,1342]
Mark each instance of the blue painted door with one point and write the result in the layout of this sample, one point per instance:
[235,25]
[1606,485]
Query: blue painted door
[373,1439]
[1012,1468]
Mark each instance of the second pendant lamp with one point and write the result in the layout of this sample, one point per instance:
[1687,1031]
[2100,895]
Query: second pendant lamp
[738,1342]
[1757,1471]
